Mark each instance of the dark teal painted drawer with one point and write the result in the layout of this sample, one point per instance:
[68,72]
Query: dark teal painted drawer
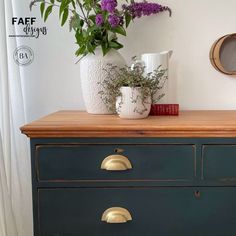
[219,162]
[158,211]
[83,162]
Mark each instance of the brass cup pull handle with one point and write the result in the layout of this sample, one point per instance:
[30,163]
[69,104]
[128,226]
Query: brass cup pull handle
[116,215]
[116,163]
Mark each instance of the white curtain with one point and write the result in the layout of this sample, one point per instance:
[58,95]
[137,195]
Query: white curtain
[15,184]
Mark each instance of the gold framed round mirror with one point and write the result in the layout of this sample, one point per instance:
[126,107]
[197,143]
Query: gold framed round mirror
[223,54]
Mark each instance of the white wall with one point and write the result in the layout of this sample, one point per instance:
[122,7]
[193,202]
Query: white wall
[52,81]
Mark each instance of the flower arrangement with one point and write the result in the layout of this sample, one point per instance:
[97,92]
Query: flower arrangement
[96,23]
[133,77]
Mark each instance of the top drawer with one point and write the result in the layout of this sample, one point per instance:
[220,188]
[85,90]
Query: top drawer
[147,162]
[218,162]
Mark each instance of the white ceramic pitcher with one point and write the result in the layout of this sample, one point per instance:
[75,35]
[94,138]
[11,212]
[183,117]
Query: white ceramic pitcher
[152,61]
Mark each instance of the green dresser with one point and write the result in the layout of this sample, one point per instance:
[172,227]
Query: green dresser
[166,176]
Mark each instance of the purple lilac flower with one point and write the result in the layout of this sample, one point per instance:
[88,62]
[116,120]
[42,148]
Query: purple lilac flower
[99,19]
[114,20]
[139,9]
[109,5]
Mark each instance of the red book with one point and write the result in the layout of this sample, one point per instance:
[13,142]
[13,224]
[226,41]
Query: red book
[164,110]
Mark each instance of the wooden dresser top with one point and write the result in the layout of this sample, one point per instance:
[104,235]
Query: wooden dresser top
[82,124]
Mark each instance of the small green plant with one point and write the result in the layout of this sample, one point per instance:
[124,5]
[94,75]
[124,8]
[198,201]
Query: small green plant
[134,77]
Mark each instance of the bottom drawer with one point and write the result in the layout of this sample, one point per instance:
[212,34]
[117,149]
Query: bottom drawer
[182,211]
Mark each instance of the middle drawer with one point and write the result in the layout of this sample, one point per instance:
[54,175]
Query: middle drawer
[118,162]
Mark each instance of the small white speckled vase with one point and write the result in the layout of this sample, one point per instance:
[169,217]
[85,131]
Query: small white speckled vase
[130,104]
[91,73]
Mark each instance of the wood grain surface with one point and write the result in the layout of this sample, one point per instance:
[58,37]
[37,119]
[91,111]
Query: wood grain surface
[82,124]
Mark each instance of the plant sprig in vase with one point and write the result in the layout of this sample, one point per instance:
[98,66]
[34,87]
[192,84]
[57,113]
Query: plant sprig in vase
[96,23]
[133,77]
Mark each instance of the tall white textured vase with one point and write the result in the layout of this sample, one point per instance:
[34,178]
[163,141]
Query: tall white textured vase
[91,73]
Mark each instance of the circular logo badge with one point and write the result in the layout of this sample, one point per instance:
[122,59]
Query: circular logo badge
[23,56]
